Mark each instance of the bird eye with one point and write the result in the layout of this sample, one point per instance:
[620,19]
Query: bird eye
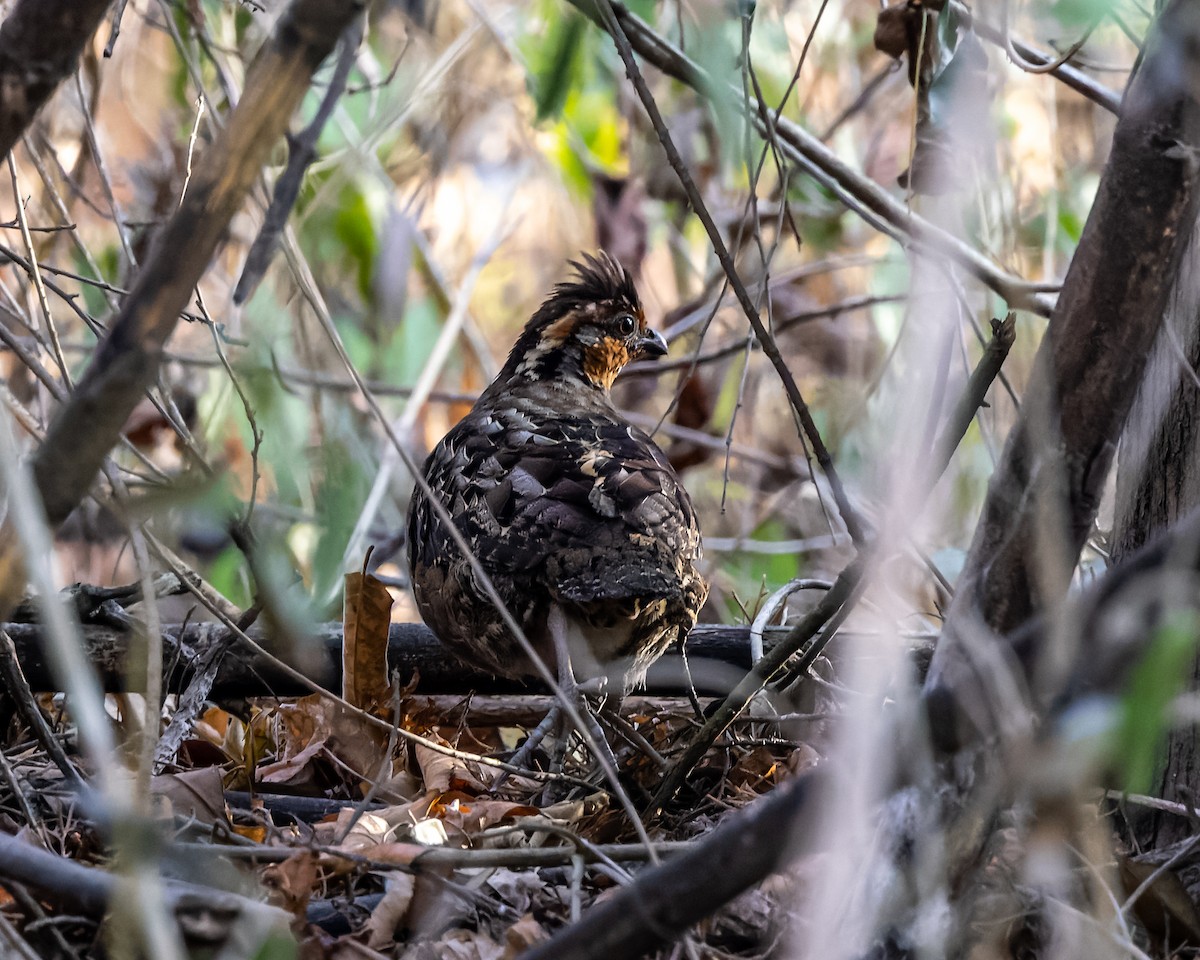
[626,324]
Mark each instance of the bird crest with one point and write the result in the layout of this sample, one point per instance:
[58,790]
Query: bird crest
[600,288]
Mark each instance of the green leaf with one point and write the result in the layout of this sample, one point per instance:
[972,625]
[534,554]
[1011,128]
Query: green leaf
[355,227]
[1153,685]
[565,157]
[230,578]
[277,946]
[339,500]
[560,67]
[1080,14]
[593,116]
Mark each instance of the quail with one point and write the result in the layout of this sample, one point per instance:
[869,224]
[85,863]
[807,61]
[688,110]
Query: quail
[575,515]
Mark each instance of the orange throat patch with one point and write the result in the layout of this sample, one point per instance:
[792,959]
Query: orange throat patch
[603,360]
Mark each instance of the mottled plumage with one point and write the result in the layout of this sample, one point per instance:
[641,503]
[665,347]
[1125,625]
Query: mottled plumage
[564,503]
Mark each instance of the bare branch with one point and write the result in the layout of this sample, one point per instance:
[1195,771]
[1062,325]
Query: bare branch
[40,43]
[870,201]
[765,339]
[1073,77]
[1091,361]
[302,151]
[127,360]
[412,649]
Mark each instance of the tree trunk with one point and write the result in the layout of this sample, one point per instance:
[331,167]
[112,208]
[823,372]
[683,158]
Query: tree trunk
[1158,481]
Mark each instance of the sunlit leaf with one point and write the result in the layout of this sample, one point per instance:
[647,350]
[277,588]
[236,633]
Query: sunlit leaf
[560,64]
[357,230]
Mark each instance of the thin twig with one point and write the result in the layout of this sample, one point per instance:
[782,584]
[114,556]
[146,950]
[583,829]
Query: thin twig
[770,348]
[89,129]
[302,151]
[36,274]
[114,29]
[863,196]
[27,709]
[1075,79]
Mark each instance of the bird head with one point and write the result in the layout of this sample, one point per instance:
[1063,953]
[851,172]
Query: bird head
[588,329]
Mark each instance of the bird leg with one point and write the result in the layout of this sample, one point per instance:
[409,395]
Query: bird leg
[610,714]
[524,756]
[559,629]
[556,719]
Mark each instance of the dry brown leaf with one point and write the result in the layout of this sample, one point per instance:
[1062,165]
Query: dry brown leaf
[216,720]
[368,615]
[386,819]
[901,29]
[369,830]
[521,936]
[372,835]
[314,723]
[570,812]
[1165,907]
[517,888]
[758,769]
[299,723]
[891,30]
[471,815]
[442,773]
[292,770]
[391,911]
[257,833]
[293,881]
[244,744]
[469,945]
[193,793]
[360,747]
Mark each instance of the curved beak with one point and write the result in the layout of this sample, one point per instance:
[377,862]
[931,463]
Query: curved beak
[652,345]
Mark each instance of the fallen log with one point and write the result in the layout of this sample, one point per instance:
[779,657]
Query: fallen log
[717,657]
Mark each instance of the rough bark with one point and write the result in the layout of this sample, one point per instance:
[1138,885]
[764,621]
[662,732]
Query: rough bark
[40,45]
[665,900]
[1158,480]
[1044,495]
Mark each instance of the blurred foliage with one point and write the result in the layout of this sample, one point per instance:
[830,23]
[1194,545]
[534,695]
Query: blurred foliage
[1145,708]
[513,126]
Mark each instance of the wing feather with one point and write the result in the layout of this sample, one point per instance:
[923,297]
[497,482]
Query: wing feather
[588,508]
